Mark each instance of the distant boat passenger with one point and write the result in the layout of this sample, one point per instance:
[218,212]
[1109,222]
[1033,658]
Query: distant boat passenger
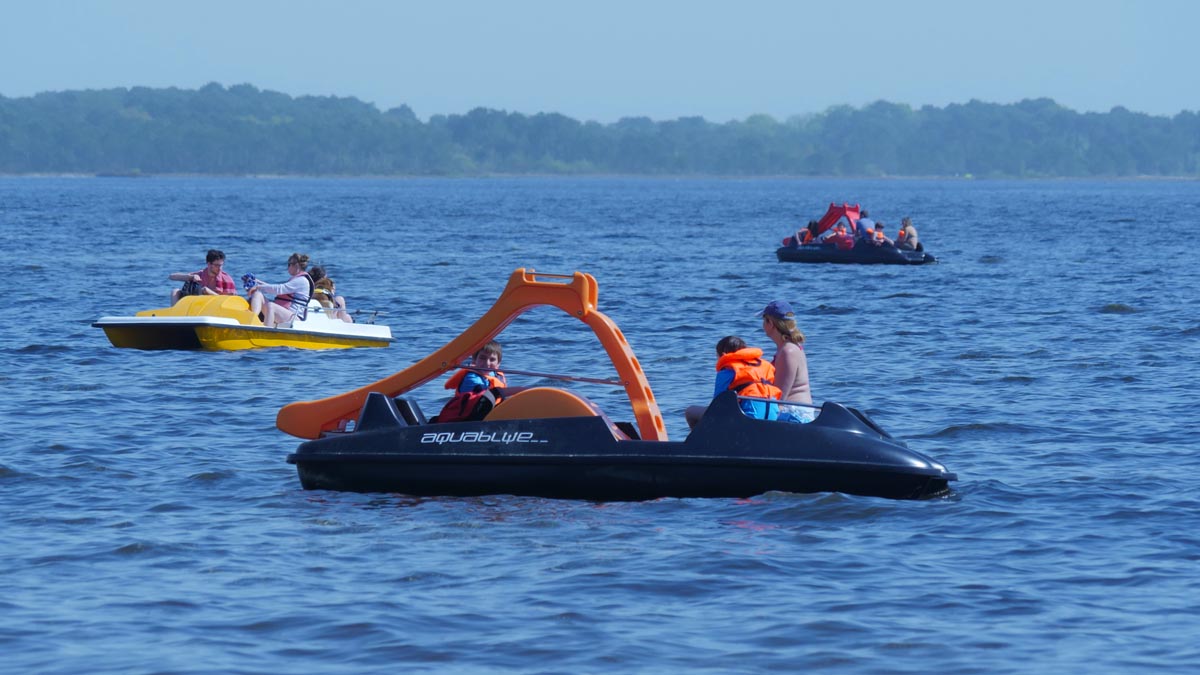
[907,239]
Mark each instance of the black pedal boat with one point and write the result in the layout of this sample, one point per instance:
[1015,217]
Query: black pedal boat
[728,454]
[550,442]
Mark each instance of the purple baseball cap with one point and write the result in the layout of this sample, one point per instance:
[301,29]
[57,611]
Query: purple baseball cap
[779,309]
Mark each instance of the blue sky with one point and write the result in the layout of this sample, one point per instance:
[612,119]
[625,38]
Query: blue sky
[607,59]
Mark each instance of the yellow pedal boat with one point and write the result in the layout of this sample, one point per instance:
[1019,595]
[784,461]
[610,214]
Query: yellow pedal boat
[225,323]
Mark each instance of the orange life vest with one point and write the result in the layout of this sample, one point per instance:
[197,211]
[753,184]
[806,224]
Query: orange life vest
[752,376]
[493,381]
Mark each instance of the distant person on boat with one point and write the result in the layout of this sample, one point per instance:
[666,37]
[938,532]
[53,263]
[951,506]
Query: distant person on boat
[325,292]
[742,370]
[839,236]
[804,236]
[291,297]
[864,227]
[878,237]
[791,364]
[838,229]
[808,234]
[907,239]
[212,280]
[483,372]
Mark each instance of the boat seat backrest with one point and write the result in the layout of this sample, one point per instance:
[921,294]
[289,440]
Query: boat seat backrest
[379,411]
[410,410]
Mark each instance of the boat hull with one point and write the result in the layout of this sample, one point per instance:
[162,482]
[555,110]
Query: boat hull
[161,336]
[204,335]
[727,455]
[620,478]
[861,254]
[225,338]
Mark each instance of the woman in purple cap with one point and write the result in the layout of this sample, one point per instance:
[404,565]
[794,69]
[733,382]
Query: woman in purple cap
[791,365]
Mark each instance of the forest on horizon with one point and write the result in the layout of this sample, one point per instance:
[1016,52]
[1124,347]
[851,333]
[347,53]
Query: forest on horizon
[242,130]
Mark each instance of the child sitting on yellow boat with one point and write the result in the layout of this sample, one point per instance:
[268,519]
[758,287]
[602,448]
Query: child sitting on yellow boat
[325,292]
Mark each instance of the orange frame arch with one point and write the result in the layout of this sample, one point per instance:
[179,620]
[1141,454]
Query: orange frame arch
[575,294]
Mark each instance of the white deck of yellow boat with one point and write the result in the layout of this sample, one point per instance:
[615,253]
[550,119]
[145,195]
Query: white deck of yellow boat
[317,321]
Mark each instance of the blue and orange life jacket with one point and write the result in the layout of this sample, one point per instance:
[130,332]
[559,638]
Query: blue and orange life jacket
[752,376]
[496,380]
[471,405]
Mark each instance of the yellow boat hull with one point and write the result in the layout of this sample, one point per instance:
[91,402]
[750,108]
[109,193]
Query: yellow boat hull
[225,323]
[230,338]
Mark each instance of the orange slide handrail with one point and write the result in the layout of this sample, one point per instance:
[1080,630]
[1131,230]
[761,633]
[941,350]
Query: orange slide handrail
[575,294]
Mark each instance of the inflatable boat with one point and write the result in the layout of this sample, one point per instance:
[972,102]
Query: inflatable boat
[550,442]
[829,246]
[225,323]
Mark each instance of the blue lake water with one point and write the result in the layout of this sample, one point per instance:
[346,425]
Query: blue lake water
[150,523]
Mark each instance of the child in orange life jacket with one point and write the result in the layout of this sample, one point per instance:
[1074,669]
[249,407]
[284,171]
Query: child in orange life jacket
[878,237]
[743,370]
[482,374]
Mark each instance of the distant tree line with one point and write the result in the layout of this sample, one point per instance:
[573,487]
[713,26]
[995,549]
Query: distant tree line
[244,130]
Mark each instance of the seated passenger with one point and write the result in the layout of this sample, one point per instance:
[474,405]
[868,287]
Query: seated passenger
[325,292]
[907,239]
[877,237]
[742,370]
[474,387]
[791,363]
[863,229]
[482,373]
[212,280]
[841,237]
[291,297]
[810,232]
[802,237]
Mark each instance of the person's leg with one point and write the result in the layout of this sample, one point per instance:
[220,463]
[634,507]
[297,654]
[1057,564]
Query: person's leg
[175,295]
[342,313]
[268,314]
[276,315]
[256,304]
[270,318]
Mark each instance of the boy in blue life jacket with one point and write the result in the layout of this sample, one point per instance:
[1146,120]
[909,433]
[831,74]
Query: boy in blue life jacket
[482,373]
[475,387]
[743,370]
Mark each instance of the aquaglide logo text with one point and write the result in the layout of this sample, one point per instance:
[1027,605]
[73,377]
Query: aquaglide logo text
[480,437]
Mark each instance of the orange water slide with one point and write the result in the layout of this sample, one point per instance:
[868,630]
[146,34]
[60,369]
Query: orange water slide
[575,294]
